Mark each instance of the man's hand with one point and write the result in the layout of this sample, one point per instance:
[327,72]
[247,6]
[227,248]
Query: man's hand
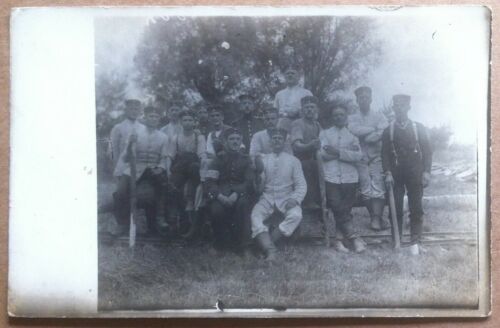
[291,203]
[233,198]
[389,180]
[426,179]
[224,200]
[332,151]
[315,144]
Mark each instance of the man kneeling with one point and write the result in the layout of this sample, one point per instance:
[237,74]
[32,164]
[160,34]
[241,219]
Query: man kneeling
[284,188]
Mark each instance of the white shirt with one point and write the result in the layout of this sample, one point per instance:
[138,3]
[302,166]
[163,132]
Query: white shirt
[342,170]
[120,135]
[283,179]
[288,100]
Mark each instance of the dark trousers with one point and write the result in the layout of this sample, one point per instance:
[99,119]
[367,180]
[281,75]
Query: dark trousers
[150,194]
[340,198]
[313,197]
[185,168]
[411,182]
[231,225]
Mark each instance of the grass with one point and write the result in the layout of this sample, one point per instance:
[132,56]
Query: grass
[154,276]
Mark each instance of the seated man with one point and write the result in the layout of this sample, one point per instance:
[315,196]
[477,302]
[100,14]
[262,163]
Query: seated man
[229,185]
[340,151]
[284,188]
[150,160]
[261,141]
[185,151]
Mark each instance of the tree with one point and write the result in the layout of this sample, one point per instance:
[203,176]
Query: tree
[219,57]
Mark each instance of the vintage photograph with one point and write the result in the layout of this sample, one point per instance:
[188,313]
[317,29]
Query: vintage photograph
[290,161]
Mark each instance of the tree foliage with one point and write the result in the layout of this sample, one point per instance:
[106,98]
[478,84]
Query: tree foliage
[216,58]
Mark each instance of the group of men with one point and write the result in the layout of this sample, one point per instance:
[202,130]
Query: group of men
[252,168]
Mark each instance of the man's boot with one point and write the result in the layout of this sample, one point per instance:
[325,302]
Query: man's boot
[378,205]
[358,244]
[374,220]
[266,244]
[276,235]
[339,246]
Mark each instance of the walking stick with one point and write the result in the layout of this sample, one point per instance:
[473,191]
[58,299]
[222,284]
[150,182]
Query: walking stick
[133,195]
[394,220]
[322,191]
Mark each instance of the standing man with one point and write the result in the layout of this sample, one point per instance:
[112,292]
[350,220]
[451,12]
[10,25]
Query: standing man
[407,161]
[261,141]
[247,124]
[203,122]
[174,126]
[340,151]
[121,132]
[284,188]
[229,186]
[151,157]
[368,126]
[288,100]
[305,143]
[215,141]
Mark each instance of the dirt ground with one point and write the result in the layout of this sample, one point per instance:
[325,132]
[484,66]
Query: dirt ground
[161,276]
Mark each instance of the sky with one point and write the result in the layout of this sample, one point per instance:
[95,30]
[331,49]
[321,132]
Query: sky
[439,57]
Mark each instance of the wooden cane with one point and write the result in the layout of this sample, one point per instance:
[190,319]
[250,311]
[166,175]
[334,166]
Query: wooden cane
[133,195]
[394,220]
[322,191]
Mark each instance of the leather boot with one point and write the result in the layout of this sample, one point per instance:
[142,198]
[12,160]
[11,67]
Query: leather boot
[276,235]
[378,210]
[266,245]
[339,247]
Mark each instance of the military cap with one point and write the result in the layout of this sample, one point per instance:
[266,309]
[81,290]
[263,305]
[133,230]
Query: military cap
[244,96]
[401,99]
[215,108]
[231,131]
[132,102]
[151,109]
[187,113]
[280,131]
[309,100]
[362,89]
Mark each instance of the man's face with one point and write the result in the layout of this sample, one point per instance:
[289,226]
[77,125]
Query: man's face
[364,99]
[188,122]
[173,113]
[278,143]
[292,77]
[400,109]
[202,114]
[310,110]
[270,119]
[247,106]
[233,142]
[216,118]
[339,117]
[152,120]
[132,111]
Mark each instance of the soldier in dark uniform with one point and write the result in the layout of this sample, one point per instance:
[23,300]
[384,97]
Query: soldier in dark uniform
[228,185]
[406,161]
[248,124]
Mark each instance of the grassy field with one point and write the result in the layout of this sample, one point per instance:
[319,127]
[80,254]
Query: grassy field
[161,276]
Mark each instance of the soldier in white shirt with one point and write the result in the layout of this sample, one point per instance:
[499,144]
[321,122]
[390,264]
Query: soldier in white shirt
[151,158]
[288,100]
[340,151]
[284,188]
[121,132]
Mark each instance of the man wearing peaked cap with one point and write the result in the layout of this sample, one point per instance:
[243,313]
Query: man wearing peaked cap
[229,186]
[288,99]
[407,161]
[215,136]
[284,188]
[368,125]
[248,124]
[304,137]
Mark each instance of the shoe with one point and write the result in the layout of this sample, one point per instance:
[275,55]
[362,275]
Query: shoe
[266,245]
[358,244]
[276,235]
[339,247]
[375,223]
[414,250]
[384,223]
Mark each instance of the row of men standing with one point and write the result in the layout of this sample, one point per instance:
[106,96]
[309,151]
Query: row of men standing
[363,148]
